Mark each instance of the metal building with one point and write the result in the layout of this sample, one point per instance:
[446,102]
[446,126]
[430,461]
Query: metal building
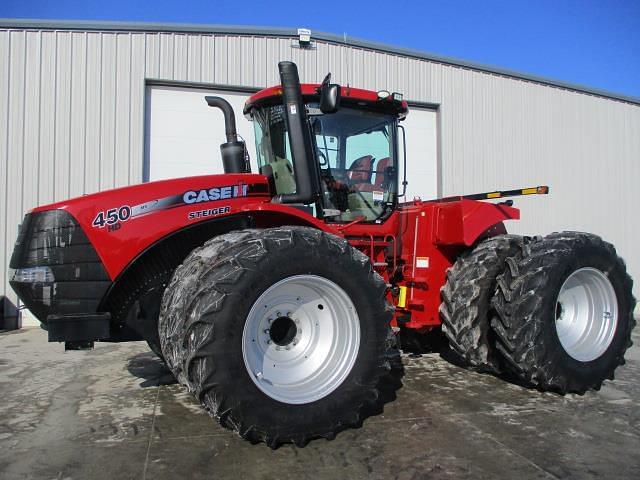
[92,106]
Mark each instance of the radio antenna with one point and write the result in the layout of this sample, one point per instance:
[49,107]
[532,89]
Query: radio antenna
[346,59]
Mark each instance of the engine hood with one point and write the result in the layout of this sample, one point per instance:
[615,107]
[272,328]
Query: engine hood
[122,222]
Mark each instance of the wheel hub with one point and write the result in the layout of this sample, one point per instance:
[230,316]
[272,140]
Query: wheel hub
[283,331]
[301,339]
[586,314]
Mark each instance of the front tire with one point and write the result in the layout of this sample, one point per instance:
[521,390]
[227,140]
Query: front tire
[564,313]
[280,333]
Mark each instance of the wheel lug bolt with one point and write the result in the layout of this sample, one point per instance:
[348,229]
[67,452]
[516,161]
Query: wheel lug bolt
[266,330]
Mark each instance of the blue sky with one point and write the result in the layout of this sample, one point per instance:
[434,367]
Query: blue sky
[589,42]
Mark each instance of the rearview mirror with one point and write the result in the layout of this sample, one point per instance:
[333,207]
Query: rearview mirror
[329,97]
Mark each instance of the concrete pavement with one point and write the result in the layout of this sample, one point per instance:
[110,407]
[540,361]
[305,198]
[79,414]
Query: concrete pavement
[116,413]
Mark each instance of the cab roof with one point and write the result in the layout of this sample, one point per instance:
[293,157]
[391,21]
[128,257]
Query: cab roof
[310,92]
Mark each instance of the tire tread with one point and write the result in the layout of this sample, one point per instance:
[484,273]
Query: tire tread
[466,297]
[213,270]
[517,324]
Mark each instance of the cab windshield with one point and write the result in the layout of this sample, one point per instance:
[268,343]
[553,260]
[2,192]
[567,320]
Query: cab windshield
[354,149]
[357,164]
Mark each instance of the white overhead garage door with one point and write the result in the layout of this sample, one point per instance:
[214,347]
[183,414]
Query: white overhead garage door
[183,137]
[422,153]
[183,134]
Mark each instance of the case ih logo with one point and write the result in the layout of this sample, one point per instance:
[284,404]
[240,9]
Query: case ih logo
[121,214]
[215,193]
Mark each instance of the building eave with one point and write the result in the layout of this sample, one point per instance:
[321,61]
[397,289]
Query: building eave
[84,25]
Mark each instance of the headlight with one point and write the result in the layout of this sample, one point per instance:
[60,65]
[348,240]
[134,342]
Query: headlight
[31,275]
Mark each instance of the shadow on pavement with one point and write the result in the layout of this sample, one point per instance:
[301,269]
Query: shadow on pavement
[416,344]
[151,368]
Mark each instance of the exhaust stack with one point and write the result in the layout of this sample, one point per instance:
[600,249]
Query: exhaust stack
[307,177]
[234,152]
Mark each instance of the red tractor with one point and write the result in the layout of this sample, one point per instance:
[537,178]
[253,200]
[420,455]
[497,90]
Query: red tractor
[275,297]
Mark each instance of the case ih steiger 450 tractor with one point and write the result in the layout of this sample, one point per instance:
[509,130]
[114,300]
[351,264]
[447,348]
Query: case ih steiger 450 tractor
[275,297]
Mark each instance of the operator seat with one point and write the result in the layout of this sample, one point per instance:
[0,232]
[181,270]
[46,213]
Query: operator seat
[360,170]
[381,168]
[380,178]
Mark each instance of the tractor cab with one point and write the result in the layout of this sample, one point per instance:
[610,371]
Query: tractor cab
[351,153]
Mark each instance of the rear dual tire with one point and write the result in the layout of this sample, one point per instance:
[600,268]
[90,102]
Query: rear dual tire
[280,333]
[556,313]
[466,310]
[564,313]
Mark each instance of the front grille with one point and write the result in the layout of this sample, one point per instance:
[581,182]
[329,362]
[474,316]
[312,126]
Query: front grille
[54,239]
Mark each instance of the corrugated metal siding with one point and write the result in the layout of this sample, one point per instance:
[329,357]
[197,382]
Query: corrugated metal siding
[72,122]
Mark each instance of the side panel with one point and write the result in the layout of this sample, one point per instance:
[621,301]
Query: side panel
[122,223]
[433,236]
[424,267]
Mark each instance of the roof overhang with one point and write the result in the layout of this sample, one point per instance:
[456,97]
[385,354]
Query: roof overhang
[82,25]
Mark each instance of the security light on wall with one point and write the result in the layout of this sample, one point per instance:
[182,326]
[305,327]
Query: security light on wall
[304,39]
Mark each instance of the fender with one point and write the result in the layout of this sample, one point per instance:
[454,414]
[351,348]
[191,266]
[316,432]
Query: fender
[464,222]
[277,214]
[143,279]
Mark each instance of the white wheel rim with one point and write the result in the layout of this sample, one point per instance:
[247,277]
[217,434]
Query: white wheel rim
[586,314]
[301,339]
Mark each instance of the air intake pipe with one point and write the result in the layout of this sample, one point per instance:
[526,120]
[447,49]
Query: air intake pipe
[234,152]
[307,177]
